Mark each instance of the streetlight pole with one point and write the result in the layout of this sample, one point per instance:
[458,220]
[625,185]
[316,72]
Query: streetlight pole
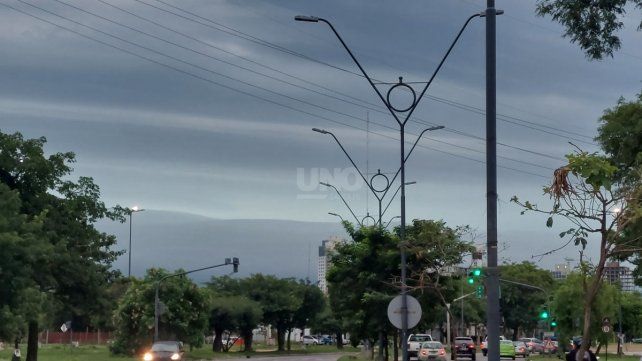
[492,311]
[397,114]
[129,253]
[344,201]
[233,261]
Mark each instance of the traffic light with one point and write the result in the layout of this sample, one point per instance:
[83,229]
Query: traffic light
[473,274]
[479,292]
[553,323]
[543,315]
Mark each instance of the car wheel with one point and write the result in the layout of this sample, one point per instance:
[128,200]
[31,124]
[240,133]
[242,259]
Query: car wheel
[513,357]
[484,353]
[473,357]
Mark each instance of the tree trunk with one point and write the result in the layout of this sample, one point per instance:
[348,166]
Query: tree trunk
[395,347]
[515,333]
[289,338]
[217,344]
[248,338]
[386,354]
[339,338]
[380,352]
[280,338]
[32,342]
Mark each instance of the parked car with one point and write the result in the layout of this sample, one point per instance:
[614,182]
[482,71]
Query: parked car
[309,340]
[521,349]
[637,340]
[432,350]
[165,351]
[534,344]
[326,340]
[484,348]
[415,341]
[464,347]
[506,349]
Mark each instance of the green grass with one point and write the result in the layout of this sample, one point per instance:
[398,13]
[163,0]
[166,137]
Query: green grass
[101,353]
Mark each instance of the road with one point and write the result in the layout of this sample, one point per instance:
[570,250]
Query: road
[315,357]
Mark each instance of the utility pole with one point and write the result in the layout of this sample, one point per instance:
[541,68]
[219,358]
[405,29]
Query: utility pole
[492,311]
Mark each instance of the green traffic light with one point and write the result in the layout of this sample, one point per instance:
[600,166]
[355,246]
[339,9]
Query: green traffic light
[554,324]
[477,272]
[470,280]
[543,315]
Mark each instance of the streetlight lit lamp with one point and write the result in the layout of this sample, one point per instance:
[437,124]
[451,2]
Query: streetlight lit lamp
[132,210]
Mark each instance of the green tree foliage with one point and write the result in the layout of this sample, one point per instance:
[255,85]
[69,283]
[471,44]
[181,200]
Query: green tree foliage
[620,135]
[361,281]
[23,256]
[184,318]
[586,193]
[233,313]
[570,316]
[75,271]
[631,313]
[285,302]
[593,24]
[520,306]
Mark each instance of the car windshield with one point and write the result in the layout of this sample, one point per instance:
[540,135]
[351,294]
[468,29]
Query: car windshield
[415,338]
[518,343]
[432,345]
[464,339]
[506,342]
[165,347]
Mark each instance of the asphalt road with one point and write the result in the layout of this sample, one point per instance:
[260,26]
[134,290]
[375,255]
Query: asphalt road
[316,357]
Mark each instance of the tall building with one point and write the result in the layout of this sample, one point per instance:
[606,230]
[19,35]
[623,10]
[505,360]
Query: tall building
[561,271]
[327,245]
[616,274]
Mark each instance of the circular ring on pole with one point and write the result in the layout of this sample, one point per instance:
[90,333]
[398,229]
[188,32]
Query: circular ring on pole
[386,182]
[412,91]
[363,220]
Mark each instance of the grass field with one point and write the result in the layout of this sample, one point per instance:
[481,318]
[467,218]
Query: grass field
[101,353]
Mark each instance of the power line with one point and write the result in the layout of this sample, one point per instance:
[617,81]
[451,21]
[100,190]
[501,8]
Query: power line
[196,76]
[373,107]
[257,40]
[244,82]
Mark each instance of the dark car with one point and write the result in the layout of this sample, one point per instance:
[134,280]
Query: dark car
[464,347]
[326,340]
[165,351]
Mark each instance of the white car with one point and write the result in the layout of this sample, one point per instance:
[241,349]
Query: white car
[309,340]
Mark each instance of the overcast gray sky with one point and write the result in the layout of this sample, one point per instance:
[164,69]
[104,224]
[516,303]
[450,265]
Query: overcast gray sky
[207,107]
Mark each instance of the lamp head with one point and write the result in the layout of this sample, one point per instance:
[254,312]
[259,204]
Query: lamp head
[235,262]
[497,12]
[325,184]
[436,127]
[322,131]
[333,214]
[309,19]
[409,183]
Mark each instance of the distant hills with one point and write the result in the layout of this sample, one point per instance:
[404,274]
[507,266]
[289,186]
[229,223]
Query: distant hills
[175,240]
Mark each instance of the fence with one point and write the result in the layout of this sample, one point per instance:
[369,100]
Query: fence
[82,338]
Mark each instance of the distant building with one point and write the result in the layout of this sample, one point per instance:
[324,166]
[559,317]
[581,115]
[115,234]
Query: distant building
[616,274]
[561,271]
[326,246]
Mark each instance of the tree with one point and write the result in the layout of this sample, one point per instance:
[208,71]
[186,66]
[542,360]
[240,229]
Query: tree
[184,315]
[361,282]
[570,318]
[433,249]
[592,24]
[312,303]
[520,306]
[233,313]
[630,313]
[586,192]
[77,267]
[22,259]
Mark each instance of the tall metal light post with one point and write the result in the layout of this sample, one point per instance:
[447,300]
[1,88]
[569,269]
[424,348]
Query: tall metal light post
[228,261]
[132,210]
[401,115]
[378,192]
[492,311]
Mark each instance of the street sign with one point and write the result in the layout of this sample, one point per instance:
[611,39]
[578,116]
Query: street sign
[395,313]
[65,326]
[606,328]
